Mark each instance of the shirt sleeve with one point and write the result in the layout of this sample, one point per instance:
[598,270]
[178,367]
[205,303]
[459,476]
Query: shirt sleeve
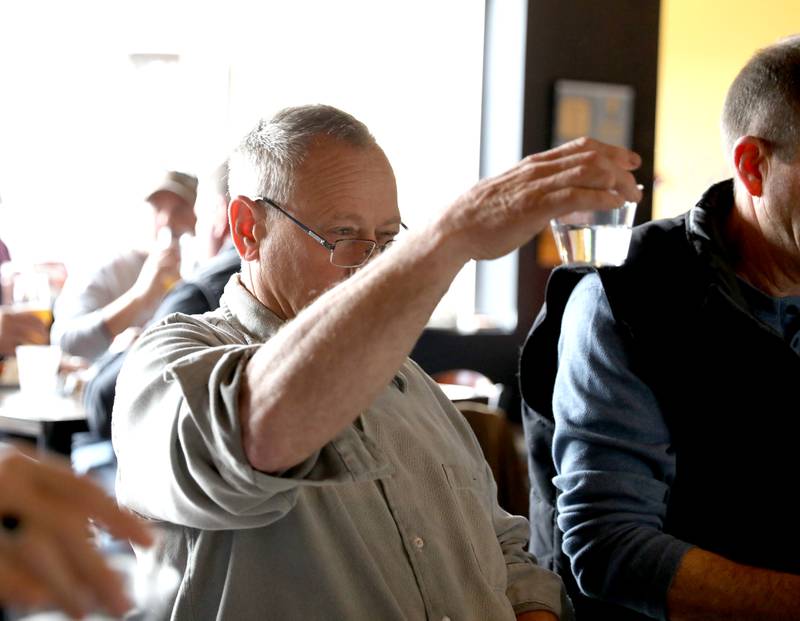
[79,327]
[80,333]
[177,404]
[530,586]
[614,460]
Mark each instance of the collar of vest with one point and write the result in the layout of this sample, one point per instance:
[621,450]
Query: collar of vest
[685,253]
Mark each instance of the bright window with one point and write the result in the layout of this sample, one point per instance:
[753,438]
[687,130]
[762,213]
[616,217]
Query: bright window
[99,95]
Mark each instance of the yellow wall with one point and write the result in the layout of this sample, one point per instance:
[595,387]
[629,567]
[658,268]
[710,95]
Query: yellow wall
[703,44]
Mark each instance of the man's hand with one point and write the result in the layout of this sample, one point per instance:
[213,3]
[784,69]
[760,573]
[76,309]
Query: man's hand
[46,555]
[160,272]
[21,328]
[124,340]
[501,213]
[537,615]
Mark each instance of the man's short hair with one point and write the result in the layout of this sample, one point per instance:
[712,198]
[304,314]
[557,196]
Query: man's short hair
[266,161]
[764,99]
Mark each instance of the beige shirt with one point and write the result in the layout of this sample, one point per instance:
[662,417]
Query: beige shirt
[394,519]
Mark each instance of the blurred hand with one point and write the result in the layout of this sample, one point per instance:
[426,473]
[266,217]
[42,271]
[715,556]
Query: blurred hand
[49,558]
[21,328]
[501,213]
[160,272]
[124,340]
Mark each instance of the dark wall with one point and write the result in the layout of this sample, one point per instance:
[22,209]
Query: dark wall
[608,41]
[601,41]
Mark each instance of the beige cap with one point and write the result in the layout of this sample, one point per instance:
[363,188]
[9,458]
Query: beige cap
[178,183]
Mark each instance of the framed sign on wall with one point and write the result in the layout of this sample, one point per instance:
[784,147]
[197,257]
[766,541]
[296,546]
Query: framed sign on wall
[595,109]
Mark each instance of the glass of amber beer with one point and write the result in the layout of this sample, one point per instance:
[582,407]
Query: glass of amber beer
[31,293]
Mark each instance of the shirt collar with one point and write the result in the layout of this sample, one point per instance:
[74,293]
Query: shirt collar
[255,320]
[704,227]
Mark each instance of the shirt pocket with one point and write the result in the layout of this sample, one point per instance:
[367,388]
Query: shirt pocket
[473,500]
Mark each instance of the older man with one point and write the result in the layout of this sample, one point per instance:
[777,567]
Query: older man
[301,465]
[674,394]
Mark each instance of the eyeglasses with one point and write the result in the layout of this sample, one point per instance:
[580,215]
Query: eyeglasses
[344,252]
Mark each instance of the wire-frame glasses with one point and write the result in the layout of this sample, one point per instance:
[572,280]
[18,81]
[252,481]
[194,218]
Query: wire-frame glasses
[344,252]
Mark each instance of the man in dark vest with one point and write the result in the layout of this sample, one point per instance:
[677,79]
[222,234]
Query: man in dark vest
[661,404]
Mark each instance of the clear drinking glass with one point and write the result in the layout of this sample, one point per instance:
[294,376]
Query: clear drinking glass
[31,293]
[595,237]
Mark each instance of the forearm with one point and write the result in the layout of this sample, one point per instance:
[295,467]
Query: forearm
[83,335]
[708,587]
[351,341]
[354,338]
[612,452]
[124,312]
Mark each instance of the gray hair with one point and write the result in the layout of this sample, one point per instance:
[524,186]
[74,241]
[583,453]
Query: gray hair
[266,161]
[220,176]
[764,99]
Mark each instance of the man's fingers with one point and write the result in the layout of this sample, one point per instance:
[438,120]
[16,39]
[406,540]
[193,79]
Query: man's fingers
[18,587]
[91,569]
[622,157]
[35,336]
[53,537]
[568,199]
[583,170]
[26,322]
[24,329]
[42,556]
[52,483]
[92,502]
[600,174]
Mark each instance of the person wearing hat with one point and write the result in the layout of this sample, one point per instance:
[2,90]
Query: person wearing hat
[121,296]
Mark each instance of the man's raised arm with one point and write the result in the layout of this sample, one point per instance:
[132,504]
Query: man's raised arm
[354,337]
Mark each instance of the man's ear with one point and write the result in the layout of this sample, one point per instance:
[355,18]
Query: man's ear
[246,230]
[750,162]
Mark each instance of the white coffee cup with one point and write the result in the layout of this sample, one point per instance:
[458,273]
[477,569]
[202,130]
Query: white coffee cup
[37,366]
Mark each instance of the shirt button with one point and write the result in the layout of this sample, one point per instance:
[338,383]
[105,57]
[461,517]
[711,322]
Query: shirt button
[445,618]
[420,543]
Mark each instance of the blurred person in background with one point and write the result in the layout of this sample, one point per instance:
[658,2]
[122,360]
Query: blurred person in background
[120,297]
[198,294]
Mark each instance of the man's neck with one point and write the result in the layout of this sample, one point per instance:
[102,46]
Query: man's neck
[766,258]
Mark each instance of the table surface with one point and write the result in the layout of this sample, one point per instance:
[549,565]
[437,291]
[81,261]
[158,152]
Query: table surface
[25,413]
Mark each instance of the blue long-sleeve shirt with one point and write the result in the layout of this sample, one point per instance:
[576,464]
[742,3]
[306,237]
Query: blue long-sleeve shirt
[613,456]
